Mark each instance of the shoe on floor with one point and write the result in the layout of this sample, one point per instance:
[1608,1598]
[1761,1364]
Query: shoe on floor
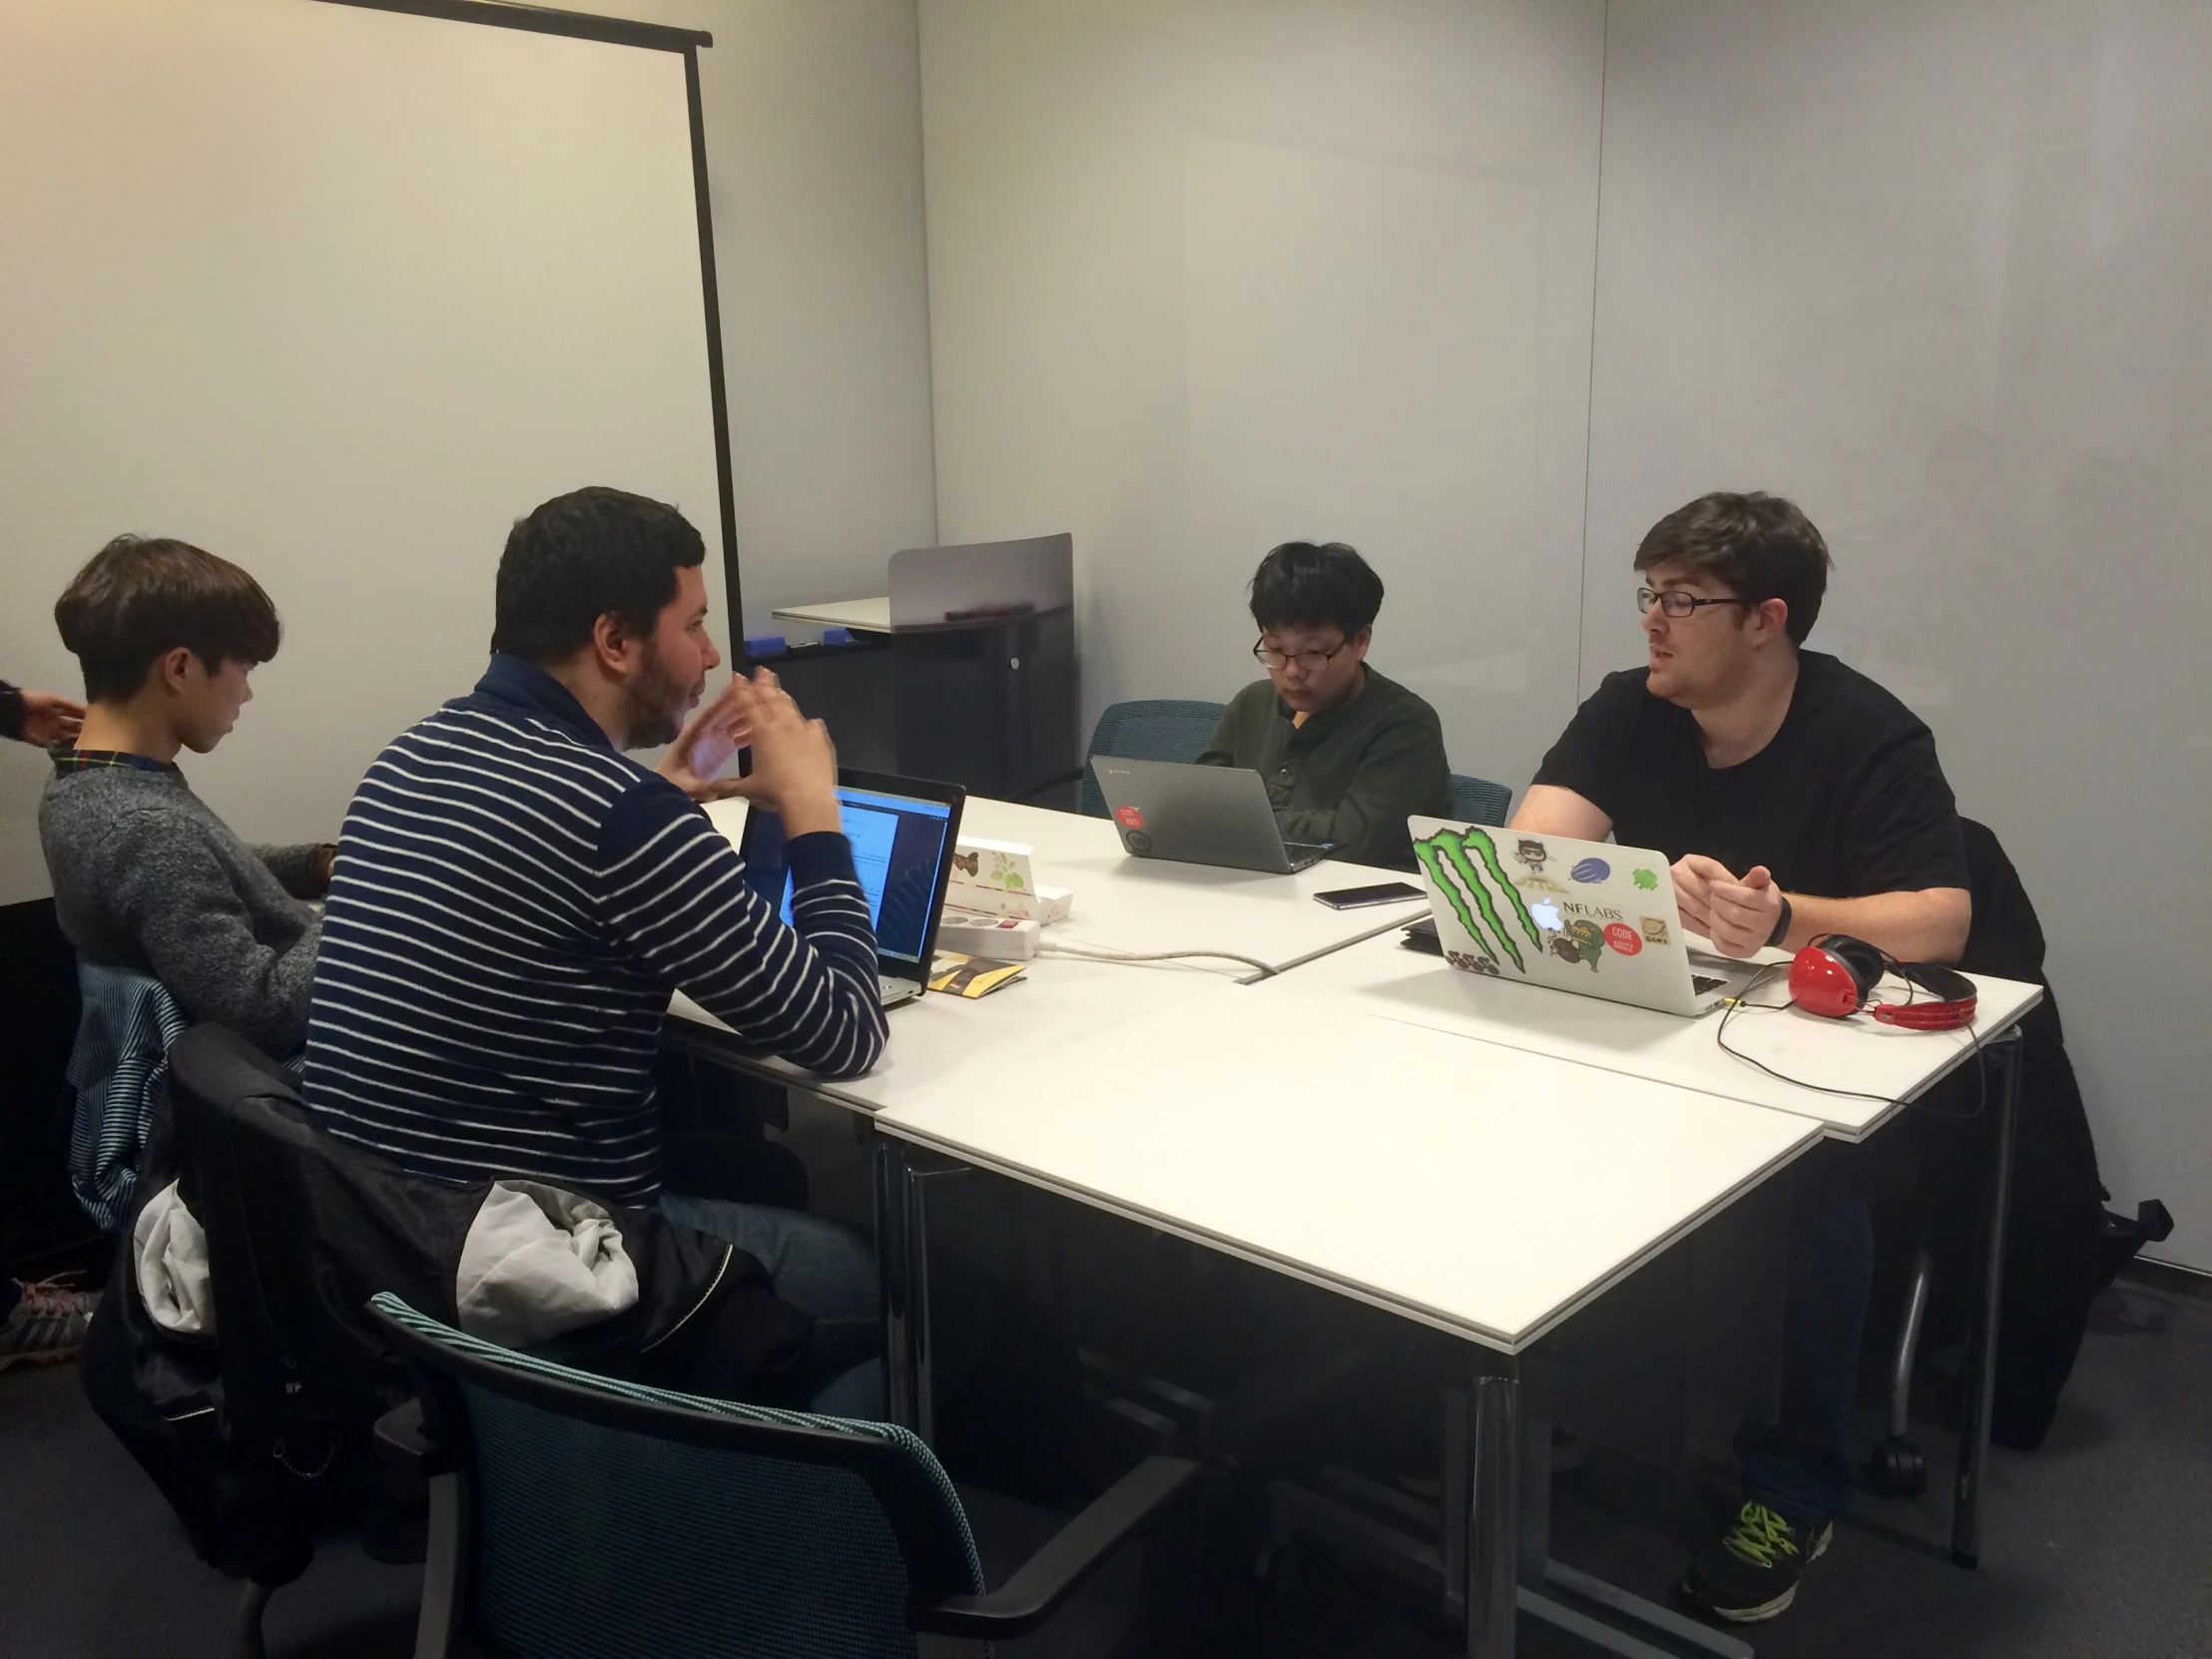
[1752,1573]
[48,1324]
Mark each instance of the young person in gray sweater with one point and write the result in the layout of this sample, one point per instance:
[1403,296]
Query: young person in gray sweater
[146,874]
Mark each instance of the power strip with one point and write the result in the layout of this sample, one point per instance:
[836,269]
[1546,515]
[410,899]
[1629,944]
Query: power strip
[1003,938]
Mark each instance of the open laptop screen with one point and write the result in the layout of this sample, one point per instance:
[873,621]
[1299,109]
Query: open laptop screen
[899,846]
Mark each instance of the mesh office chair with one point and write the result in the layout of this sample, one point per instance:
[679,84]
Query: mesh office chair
[716,1527]
[1478,800]
[1165,729]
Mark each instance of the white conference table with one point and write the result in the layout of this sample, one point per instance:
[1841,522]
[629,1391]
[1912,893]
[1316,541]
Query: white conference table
[1536,1183]
[1605,1133]
[1485,1191]
[1121,903]
[1883,1067]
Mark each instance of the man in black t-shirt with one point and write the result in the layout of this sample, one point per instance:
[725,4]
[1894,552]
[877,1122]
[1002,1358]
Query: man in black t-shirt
[1794,797]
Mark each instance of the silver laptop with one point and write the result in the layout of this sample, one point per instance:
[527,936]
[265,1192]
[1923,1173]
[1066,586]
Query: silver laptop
[903,831]
[1198,815]
[1582,917]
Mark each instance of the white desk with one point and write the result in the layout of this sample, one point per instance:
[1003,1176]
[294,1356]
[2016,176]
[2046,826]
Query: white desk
[1139,905]
[1381,977]
[1121,903]
[863,616]
[1485,1191]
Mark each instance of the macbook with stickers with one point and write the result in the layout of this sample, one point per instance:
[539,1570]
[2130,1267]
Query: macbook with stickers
[1582,917]
[902,832]
[1198,814]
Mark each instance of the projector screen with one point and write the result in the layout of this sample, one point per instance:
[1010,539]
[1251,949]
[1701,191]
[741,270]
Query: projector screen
[336,293]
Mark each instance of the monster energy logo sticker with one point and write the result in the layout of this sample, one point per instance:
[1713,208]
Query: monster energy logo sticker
[1457,862]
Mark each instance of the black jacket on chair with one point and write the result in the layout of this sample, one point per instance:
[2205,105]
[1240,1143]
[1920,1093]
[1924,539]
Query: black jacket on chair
[2061,1246]
[263,1427]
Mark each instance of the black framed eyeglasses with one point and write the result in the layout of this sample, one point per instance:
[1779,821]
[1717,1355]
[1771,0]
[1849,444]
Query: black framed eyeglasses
[1310,661]
[1678,603]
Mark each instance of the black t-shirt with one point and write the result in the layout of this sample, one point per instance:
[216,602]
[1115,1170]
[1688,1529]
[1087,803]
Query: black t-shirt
[1845,800]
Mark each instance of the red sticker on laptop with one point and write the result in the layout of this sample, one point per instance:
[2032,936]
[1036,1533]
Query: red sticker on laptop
[1131,817]
[1623,939]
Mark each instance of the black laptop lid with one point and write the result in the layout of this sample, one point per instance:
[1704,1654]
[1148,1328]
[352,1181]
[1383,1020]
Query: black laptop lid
[902,830]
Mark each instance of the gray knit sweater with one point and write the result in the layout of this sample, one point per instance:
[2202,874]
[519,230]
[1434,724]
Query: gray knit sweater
[147,876]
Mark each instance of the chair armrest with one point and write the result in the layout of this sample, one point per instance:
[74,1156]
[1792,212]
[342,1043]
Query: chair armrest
[1042,1583]
[402,1438]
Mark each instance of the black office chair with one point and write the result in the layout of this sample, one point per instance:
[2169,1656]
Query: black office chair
[259,1434]
[1478,800]
[715,1527]
[1161,729]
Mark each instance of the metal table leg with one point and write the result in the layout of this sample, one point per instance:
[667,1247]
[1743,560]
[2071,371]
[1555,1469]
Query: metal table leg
[902,1269]
[1981,1370]
[1493,1516]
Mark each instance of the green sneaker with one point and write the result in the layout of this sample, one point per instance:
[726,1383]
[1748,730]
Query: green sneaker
[47,1326]
[1752,1573]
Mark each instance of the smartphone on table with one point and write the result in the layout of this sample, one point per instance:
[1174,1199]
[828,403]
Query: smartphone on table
[1382,893]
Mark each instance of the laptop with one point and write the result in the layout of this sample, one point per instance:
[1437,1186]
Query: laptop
[1199,815]
[1583,916]
[903,831]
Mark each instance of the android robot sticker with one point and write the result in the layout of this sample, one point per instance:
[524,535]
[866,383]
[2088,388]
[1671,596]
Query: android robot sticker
[1464,865]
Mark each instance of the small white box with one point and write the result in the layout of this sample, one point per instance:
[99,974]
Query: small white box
[995,878]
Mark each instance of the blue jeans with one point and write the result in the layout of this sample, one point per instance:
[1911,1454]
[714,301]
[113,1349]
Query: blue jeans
[1802,1462]
[820,1268]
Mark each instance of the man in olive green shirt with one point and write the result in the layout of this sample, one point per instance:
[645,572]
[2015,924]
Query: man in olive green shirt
[1345,753]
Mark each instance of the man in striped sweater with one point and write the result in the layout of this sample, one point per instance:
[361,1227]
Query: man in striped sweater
[514,899]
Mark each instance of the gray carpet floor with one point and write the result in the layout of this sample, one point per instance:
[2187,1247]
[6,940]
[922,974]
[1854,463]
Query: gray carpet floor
[2096,1545]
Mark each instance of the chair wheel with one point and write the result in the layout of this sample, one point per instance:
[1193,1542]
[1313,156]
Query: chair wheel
[1897,1469]
[1276,1568]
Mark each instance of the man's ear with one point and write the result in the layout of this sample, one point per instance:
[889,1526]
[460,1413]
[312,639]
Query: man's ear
[613,645]
[1362,640]
[1773,615]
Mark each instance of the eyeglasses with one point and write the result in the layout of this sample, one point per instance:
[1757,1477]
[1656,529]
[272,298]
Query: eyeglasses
[1308,661]
[1678,603]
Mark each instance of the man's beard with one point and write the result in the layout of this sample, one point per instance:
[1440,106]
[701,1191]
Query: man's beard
[653,704]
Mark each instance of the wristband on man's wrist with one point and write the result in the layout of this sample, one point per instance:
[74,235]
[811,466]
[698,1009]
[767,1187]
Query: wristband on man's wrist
[1781,924]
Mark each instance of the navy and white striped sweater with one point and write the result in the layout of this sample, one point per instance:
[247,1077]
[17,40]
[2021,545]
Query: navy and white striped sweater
[514,901]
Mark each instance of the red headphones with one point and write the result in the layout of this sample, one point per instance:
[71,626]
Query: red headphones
[1836,974]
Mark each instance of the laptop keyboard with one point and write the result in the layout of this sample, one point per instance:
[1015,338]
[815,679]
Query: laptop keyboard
[1702,983]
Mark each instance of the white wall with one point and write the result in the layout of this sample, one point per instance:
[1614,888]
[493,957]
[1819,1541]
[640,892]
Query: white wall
[336,293]
[1207,276]
[1942,269]
[813,132]
[813,138]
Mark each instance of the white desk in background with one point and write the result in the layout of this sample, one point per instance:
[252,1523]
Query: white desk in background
[1484,1191]
[1121,903]
[1884,1067]
[862,616]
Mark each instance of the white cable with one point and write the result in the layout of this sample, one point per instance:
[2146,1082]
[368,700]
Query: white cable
[1050,948]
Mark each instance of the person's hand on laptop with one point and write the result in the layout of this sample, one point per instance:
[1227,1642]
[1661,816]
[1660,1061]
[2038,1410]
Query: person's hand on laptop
[794,764]
[1737,917]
